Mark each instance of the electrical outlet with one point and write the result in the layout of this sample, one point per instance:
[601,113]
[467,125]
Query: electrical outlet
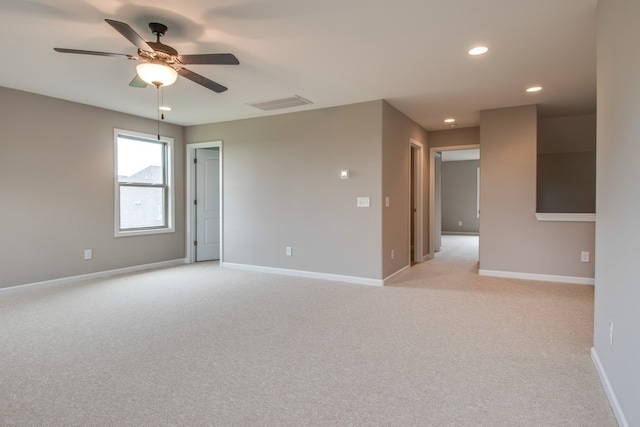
[393,253]
[88,254]
[459,223]
[584,256]
[610,333]
[287,251]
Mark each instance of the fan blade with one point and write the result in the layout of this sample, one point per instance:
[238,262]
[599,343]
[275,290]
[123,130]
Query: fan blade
[129,34]
[137,82]
[93,52]
[210,58]
[201,80]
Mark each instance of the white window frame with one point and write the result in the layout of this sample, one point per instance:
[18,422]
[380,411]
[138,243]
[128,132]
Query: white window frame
[170,197]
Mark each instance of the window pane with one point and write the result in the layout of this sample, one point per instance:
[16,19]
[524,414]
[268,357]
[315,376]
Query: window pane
[142,207]
[140,162]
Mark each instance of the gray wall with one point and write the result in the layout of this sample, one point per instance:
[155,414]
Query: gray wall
[566,170]
[617,291]
[57,191]
[511,239]
[459,196]
[282,187]
[398,129]
[451,137]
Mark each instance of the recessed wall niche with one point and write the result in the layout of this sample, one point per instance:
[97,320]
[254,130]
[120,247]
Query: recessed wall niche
[566,164]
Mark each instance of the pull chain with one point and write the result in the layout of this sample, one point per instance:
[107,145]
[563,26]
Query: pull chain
[158,97]
[162,102]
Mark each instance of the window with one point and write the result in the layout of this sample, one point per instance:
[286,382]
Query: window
[143,190]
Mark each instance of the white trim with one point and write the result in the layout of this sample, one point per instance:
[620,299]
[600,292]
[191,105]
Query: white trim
[460,233]
[568,217]
[190,194]
[96,275]
[169,170]
[395,275]
[611,395]
[307,274]
[538,277]
[418,236]
[478,192]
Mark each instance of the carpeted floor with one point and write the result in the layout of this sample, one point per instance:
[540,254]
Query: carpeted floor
[200,345]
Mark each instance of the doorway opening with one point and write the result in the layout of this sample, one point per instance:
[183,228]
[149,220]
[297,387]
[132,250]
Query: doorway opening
[204,237]
[466,208]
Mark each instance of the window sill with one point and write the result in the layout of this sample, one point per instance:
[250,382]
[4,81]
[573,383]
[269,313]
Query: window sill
[566,217]
[144,232]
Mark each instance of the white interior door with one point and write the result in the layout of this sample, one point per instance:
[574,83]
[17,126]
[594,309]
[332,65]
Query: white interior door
[208,204]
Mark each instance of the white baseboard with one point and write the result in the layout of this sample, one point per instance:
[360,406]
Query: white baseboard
[307,274]
[611,395]
[96,275]
[395,275]
[539,277]
[460,233]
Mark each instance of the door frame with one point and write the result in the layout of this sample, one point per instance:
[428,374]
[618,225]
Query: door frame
[432,193]
[190,212]
[417,178]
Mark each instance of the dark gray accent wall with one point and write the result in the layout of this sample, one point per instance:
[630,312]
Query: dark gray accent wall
[566,167]
[459,196]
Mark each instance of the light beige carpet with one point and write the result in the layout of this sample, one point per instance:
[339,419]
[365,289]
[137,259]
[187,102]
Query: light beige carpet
[200,345]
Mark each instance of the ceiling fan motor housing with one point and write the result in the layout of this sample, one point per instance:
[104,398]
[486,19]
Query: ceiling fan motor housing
[163,48]
[158,29]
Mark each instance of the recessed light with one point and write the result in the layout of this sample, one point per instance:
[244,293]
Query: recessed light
[164,108]
[449,120]
[478,50]
[533,89]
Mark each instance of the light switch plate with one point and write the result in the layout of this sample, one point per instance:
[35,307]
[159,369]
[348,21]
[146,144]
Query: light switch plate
[363,202]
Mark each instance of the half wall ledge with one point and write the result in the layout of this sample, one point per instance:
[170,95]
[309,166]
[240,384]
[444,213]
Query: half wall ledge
[567,217]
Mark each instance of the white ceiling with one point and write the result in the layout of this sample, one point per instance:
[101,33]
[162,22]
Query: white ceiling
[332,52]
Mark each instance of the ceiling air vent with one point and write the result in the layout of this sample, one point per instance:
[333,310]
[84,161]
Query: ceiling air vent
[277,104]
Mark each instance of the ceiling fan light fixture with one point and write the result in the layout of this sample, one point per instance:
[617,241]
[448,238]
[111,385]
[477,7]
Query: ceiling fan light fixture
[157,74]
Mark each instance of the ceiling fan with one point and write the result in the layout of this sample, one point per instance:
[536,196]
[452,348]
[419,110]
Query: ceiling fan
[161,63]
